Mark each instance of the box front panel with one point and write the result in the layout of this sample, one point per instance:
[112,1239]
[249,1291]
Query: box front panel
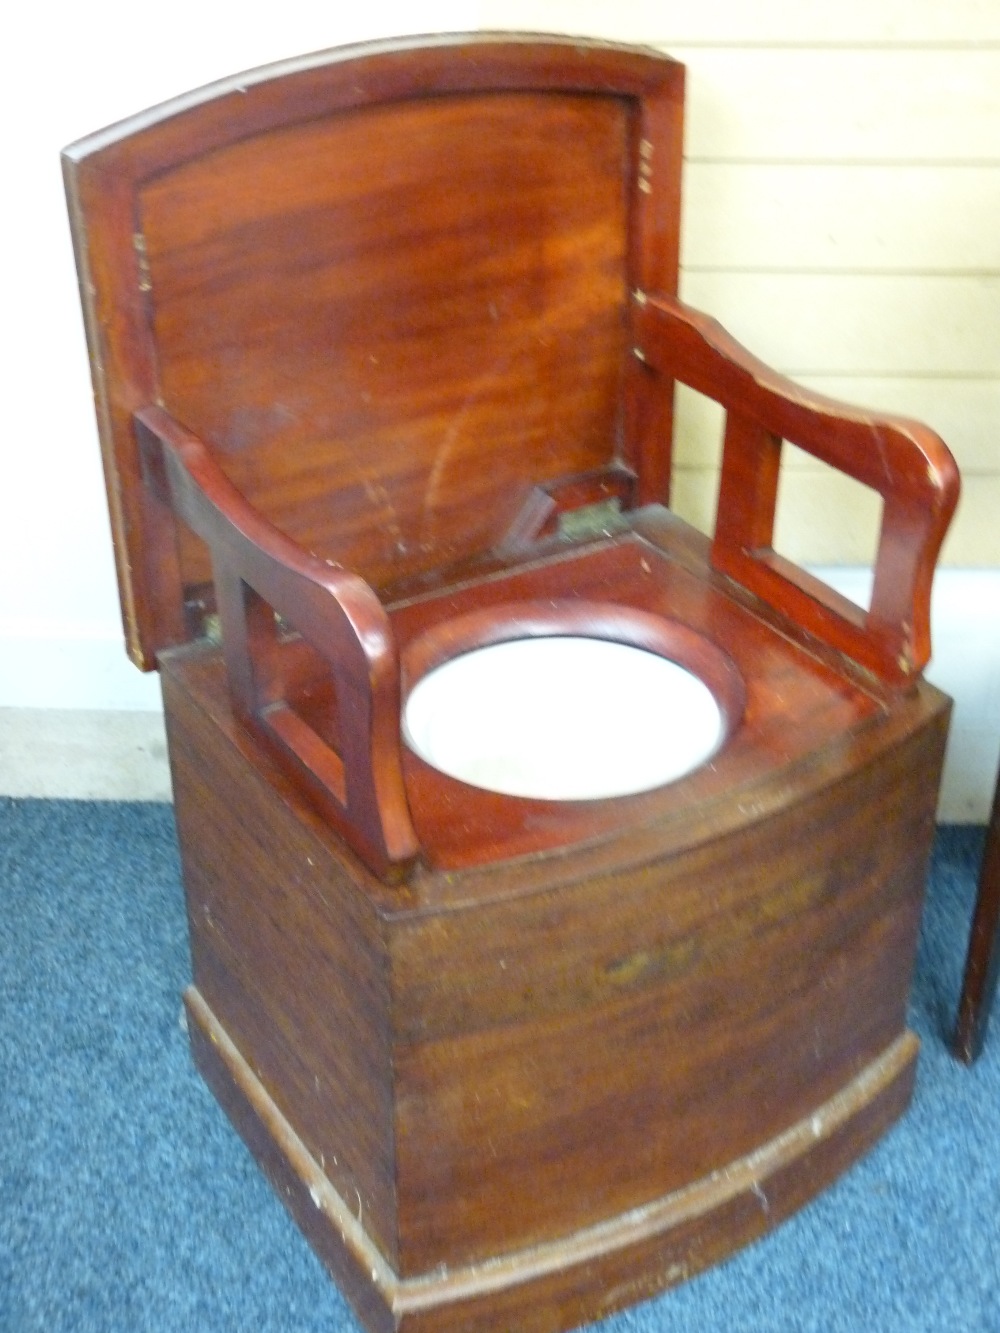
[567,1056]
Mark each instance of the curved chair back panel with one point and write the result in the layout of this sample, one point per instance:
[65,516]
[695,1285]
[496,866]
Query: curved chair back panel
[390,323]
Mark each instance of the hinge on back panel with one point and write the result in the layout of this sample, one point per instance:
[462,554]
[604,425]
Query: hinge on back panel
[603,518]
[142,261]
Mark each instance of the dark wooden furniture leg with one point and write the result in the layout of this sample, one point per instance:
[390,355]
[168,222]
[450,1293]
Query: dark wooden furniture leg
[982,968]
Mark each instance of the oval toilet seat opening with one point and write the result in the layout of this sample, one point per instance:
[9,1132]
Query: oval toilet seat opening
[565,716]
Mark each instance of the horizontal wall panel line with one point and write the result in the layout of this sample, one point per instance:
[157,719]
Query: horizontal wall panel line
[807,465]
[817,372]
[939,377]
[848,270]
[672,46]
[811,219]
[880,325]
[884,25]
[817,105]
[902,163]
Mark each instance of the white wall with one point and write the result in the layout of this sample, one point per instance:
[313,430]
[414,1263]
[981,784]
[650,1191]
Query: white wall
[842,216]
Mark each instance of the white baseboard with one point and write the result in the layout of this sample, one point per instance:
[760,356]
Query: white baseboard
[83,754]
[77,721]
[70,667]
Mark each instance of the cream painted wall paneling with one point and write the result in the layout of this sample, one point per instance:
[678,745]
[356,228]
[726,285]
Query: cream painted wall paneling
[825,518]
[842,218]
[813,22]
[872,325]
[974,539]
[843,105]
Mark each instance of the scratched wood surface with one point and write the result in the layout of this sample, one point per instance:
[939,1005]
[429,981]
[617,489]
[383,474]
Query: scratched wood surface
[683,997]
[509,1066]
[346,311]
[390,293]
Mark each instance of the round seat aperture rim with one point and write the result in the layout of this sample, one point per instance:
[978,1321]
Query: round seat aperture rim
[567,701]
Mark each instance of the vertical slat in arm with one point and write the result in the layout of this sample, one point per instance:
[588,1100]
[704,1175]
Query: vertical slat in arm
[905,462]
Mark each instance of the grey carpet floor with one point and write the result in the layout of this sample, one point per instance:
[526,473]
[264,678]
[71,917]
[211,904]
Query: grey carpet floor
[127,1203]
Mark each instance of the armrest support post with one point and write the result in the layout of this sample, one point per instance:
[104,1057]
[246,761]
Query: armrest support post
[260,573]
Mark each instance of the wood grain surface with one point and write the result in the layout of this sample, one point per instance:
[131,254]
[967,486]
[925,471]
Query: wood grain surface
[384,346]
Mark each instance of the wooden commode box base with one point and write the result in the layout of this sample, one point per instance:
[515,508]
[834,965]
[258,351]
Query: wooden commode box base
[522,1095]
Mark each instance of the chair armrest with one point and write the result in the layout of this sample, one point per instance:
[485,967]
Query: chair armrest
[905,462]
[259,571]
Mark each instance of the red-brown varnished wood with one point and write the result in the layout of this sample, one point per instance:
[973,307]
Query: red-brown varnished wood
[796,707]
[658,153]
[540,515]
[348,354]
[685,997]
[909,466]
[720,972]
[982,967]
[261,573]
[113,291]
[345,260]
[590,1274]
[286,952]
[384,344]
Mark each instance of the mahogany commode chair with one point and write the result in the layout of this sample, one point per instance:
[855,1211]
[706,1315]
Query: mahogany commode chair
[384,345]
